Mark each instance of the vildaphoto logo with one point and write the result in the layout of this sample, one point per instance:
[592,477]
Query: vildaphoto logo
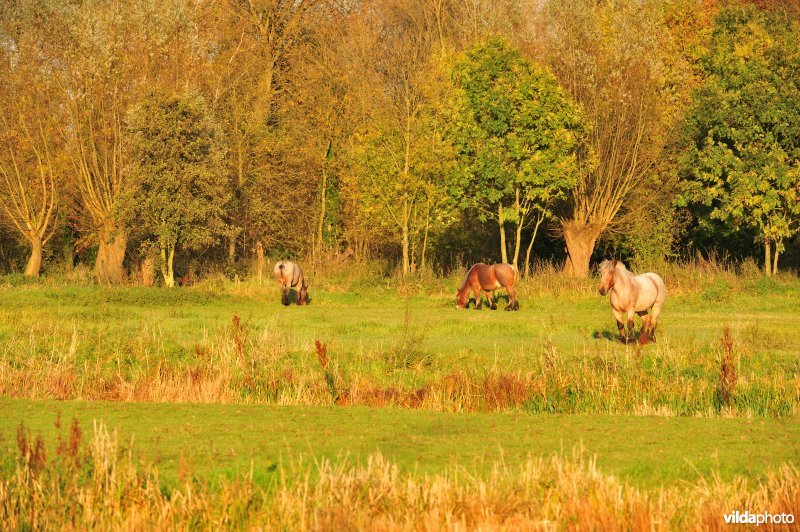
[747,518]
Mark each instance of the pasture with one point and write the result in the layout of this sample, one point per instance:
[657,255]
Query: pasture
[381,369]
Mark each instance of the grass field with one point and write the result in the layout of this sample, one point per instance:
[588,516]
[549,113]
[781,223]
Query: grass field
[558,355]
[398,371]
[225,440]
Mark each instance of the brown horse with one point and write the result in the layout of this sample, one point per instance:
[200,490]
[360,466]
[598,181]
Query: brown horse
[289,275]
[631,294]
[483,278]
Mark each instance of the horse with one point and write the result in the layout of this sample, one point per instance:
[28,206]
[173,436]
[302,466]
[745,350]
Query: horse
[482,277]
[631,294]
[289,275]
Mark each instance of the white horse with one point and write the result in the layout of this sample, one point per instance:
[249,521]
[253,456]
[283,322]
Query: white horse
[632,294]
[289,275]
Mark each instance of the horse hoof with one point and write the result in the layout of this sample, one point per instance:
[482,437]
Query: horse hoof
[494,307]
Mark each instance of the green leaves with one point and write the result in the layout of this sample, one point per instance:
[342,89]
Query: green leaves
[743,126]
[515,128]
[178,191]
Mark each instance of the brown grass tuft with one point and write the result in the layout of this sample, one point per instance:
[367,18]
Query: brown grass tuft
[727,370]
[504,390]
[240,337]
[32,451]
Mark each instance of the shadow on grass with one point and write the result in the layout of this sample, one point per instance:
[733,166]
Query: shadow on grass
[638,339]
[293,295]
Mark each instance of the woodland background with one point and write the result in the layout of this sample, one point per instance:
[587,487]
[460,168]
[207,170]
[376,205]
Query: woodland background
[163,140]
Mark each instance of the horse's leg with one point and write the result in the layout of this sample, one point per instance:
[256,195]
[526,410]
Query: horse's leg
[654,313]
[644,333]
[512,298]
[284,294]
[619,317]
[476,289]
[492,304]
[631,331]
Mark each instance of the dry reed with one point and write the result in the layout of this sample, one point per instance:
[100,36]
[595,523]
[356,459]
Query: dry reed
[99,486]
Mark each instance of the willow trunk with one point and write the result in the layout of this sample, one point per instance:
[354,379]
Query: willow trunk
[34,265]
[110,254]
[580,241]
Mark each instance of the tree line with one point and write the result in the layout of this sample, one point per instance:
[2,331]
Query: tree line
[145,136]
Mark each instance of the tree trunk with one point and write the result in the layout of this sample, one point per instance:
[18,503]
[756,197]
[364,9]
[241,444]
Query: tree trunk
[530,246]
[406,207]
[406,247]
[322,208]
[580,240]
[34,265]
[520,225]
[232,249]
[110,254]
[503,250]
[775,260]
[167,256]
[425,238]
[260,264]
[148,272]
[767,259]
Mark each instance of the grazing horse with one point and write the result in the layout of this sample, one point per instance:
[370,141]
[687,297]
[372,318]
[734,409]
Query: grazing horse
[488,278]
[289,275]
[631,294]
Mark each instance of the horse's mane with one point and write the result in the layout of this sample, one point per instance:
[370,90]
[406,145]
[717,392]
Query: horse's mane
[466,278]
[610,265]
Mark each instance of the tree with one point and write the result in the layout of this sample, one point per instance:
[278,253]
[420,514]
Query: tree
[607,56]
[272,27]
[397,152]
[517,136]
[115,51]
[28,191]
[31,168]
[178,188]
[744,127]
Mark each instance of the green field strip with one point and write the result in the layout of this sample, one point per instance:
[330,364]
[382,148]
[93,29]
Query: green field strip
[224,441]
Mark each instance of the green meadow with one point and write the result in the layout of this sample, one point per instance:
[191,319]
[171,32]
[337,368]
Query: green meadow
[381,383]
[226,441]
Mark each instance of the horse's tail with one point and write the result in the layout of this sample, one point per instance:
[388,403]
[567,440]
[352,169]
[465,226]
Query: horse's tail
[516,273]
[281,265]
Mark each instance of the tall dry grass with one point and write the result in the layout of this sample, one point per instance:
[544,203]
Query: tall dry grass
[99,486]
[242,365]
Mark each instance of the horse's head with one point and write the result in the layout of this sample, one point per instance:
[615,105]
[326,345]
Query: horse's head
[608,270]
[462,298]
[303,296]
